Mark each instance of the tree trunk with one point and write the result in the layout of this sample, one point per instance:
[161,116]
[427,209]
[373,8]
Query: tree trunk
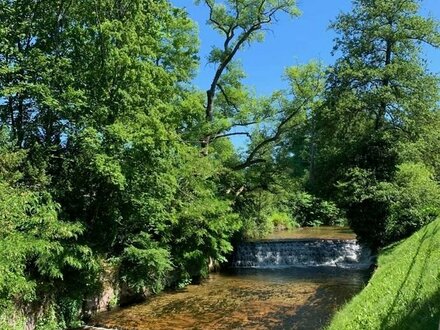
[380,119]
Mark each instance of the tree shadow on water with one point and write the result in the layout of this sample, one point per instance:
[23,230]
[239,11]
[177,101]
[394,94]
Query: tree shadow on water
[316,313]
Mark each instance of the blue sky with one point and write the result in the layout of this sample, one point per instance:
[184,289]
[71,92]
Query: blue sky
[291,41]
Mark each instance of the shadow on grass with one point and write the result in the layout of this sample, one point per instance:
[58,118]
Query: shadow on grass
[420,314]
[425,316]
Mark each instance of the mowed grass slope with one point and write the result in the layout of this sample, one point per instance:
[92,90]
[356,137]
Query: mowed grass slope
[404,292]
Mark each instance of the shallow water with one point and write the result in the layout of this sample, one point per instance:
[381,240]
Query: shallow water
[269,298]
[289,298]
[342,233]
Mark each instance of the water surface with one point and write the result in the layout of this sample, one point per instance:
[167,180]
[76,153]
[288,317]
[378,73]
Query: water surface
[288,298]
[323,232]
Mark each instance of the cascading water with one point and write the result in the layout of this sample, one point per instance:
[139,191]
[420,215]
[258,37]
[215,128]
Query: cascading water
[302,253]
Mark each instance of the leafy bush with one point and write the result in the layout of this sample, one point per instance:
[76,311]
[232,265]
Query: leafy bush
[145,265]
[39,254]
[35,248]
[384,212]
[311,211]
[255,209]
[202,232]
[416,201]
[282,221]
[264,211]
[366,202]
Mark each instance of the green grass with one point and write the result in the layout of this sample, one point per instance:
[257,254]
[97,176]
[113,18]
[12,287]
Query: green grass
[404,292]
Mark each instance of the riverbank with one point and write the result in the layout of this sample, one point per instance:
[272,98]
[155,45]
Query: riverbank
[404,292]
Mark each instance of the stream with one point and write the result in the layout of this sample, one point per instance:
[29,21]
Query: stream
[280,289]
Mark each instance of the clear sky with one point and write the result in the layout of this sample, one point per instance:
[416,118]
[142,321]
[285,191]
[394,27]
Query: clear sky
[291,41]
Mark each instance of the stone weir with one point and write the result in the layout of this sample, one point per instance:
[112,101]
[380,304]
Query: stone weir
[302,253]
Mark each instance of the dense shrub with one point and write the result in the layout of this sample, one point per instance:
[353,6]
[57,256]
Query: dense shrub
[384,212]
[282,221]
[145,265]
[415,201]
[309,210]
[36,247]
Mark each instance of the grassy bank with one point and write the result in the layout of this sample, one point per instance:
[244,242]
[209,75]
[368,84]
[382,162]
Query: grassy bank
[404,292]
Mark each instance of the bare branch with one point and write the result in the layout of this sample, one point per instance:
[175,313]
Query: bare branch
[228,100]
[279,131]
[219,136]
[249,123]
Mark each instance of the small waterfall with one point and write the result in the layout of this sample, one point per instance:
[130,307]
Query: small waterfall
[302,253]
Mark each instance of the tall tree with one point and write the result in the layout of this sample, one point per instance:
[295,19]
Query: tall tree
[240,23]
[380,95]
[380,42]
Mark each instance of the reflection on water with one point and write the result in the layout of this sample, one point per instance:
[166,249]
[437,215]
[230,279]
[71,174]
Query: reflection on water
[314,233]
[289,298]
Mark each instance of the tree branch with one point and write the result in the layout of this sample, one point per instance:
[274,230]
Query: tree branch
[244,124]
[219,136]
[231,46]
[228,100]
[211,19]
[279,131]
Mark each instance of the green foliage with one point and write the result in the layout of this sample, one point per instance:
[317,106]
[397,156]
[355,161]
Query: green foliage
[93,100]
[366,202]
[144,264]
[204,222]
[379,105]
[283,115]
[231,109]
[256,208]
[311,211]
[36,247]
[415,202]
[282,221]
[49,321]
[426,149]
[404,291]
[244,16]
[382,212]
[10,318]
[108,153]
